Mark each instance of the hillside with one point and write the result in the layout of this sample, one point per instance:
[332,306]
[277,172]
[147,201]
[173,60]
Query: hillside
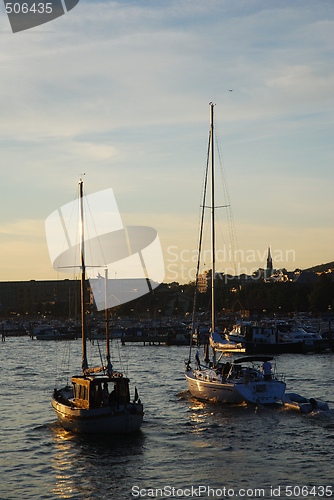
[320,267]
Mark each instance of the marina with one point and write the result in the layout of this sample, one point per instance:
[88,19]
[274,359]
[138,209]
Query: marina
[223,419]
[182,443]
[256,337]
[169,334]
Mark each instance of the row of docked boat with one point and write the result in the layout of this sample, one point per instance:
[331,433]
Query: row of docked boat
[253,337]
[278,337]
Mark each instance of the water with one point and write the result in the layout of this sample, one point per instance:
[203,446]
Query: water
[183,443]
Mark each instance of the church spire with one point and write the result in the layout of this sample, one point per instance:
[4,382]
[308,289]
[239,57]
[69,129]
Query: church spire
[269,269]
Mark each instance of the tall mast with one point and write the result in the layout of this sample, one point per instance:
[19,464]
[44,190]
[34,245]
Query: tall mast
[213,237]
[109,365]
[82,280]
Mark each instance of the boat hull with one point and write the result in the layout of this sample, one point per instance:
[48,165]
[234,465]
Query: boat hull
[286,347]
[274,348]
[235,392]
[217,392]
[266,392]
[107,420]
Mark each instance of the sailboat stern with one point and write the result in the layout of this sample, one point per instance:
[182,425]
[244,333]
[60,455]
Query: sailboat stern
[262,392]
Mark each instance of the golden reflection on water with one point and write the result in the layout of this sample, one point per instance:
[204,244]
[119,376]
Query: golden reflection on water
[62,463]
[200,414]
[197,419]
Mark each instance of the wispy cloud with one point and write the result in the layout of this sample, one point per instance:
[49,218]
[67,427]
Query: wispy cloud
[119,90]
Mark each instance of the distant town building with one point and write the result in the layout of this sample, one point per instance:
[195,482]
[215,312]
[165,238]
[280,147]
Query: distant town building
[202,284]
[27,297]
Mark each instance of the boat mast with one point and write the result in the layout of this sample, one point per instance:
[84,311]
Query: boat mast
[200,241]
[109,365]
[82,280]
[213,237]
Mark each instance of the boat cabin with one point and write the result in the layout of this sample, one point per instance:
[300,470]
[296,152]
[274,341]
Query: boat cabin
[96,391]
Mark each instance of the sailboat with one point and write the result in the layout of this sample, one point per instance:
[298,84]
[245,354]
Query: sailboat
[98,400]
[250,379]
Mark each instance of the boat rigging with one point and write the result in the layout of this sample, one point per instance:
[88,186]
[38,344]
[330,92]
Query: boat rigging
[230,382]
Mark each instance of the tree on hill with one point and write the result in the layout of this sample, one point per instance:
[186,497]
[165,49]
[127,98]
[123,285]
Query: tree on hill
[322,296]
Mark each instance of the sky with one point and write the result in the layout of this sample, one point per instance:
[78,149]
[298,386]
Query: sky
[120,91]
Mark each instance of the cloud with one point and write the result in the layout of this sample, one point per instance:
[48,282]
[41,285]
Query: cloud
[120,90]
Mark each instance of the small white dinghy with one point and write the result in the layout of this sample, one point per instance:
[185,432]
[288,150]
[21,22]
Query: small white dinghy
[299,403]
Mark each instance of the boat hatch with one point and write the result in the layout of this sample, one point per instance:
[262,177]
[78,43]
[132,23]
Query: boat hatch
[82,392]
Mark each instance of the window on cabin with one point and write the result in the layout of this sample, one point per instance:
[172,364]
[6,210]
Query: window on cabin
[123,395]
[96,395]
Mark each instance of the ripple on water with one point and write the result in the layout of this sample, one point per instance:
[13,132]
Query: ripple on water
[183,442]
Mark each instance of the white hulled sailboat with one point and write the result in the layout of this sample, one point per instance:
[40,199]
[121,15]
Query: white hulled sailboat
[237,381]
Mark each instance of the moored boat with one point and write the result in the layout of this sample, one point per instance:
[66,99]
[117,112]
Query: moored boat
[276,338]
[221,344]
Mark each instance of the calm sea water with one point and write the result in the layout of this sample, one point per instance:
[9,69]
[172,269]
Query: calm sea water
[186,449]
